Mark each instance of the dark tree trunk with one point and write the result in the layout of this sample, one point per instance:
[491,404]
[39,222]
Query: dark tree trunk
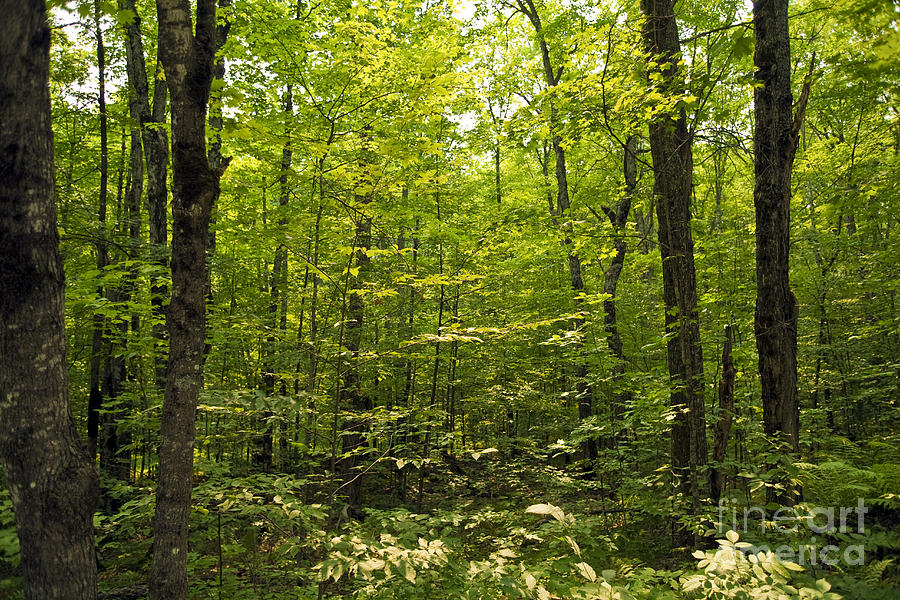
[287,154]
[352,391]
[113,460]
[278,300]
[670,146]
[313,368]
[774,144]
[156,152]
[188,61]
[498,189]
[114,438]
[51,479]
[618,218]
[95,393]
[726,411]
[214,155]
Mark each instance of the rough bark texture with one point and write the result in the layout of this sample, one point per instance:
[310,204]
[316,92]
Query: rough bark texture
[774,144]
[670,146]
[726,411]
[188,62]
[52,481]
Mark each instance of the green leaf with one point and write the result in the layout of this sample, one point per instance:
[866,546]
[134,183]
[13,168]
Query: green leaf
[125,17]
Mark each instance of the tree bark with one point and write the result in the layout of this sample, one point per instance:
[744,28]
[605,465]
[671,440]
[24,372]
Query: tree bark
[618,218]
[670,147]
[726,412]
[156,152]
[352,391]
[52,481]
[774,144]
[98,349]
[187,58]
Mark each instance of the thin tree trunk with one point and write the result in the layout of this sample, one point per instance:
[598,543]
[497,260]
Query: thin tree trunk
[51,479]
[282,254]
[156,152]
[353,392]
[726,412]
[451,373]
[618,218]
[583,390]
[95,393]
[312,372]
[114,438]
[409,379]
[188,61]
[497,187]
[215,147]
[113,375]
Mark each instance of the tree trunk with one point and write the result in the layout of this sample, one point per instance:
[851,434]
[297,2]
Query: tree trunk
[670,147]
[583,390]
[156,153]
[51,479]
[188,62]
[618,218]
[214,106]
[313,368]
[726,412]
[282,254]
[352,391]
[774,143]
[98,349]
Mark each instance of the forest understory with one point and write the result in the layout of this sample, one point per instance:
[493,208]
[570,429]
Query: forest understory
[538,299]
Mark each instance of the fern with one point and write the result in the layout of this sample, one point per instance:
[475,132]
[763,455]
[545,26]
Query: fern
[837,483]
[873,572]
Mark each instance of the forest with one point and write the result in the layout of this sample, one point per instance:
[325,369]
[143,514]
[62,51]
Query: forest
[473,299]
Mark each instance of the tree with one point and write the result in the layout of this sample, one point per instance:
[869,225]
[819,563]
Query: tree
[552,79]
[187,58]
[670,146]
[51,478]
[618,218]
[775,139]
[154,142]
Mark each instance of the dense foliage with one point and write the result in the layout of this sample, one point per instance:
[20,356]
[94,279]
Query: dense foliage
[394,346]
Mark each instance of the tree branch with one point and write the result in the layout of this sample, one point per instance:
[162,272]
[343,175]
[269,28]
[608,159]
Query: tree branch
[801,105]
